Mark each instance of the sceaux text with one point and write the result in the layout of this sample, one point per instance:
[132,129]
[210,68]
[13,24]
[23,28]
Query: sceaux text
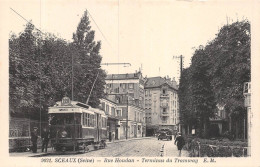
[74,160]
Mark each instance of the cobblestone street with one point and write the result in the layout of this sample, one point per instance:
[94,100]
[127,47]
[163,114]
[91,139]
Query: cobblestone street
[147,147]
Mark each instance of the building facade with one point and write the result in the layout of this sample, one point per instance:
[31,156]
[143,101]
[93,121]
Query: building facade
[124,105]
[161,105]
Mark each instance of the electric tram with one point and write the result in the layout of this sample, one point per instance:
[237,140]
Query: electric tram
[76,126]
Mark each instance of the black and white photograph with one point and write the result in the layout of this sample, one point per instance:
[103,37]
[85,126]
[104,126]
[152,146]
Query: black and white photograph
[126,83]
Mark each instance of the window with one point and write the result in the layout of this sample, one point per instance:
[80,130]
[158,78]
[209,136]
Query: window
[117,100]
[104,123]
[164,91]
[107,109]
[164,110]
[116,90]
[118,113]
[164,120]
[103,106]
[88,120]
[130,85]
[112,111]
[146,92]
[123,86]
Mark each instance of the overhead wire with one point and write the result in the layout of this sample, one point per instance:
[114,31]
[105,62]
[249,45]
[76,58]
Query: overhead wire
[99,28]
[27,20]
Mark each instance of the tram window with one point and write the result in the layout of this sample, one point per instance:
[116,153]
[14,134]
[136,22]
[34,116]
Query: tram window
[104,124]
[88,120]
[94,120]
[91,123]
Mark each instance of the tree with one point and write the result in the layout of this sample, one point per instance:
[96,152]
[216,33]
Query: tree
[202,94]
[42,66]
[217,74]
[187,115]
[86,63]
[24,72]
[230,58]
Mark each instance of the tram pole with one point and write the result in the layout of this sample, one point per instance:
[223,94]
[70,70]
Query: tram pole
[92,88]
[126,115]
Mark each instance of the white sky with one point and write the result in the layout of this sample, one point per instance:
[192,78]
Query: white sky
[148,32]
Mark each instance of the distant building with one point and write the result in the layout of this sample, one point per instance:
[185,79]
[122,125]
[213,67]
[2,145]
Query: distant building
[132,84]
[161,104]
[124,104]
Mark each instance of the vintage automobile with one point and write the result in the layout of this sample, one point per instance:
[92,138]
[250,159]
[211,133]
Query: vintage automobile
[165,134]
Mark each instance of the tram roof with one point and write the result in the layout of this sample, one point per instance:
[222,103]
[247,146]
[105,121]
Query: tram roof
[76,104]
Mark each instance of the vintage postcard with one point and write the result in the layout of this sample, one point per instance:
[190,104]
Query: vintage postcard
[129,83]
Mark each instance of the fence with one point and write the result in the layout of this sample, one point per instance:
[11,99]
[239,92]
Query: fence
[208,148]
[20,133]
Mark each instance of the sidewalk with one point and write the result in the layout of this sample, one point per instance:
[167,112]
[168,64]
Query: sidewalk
[52,151]
[31,154]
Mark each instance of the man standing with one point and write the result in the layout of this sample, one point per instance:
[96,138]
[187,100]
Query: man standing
[45,139]
[34,138]
[180,142]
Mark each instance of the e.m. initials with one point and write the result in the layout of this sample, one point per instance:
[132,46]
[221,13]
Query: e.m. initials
[206,160]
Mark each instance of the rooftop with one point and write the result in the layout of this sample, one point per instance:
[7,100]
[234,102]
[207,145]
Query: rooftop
[154,82]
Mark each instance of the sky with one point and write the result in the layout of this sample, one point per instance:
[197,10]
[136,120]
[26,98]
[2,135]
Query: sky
[146,34]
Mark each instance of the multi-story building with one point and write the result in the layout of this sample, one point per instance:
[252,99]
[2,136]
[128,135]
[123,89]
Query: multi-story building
[131,84]
[161,104]
[124,104]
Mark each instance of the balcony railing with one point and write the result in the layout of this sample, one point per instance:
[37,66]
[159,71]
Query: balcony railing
[164,95]
[164,105]
[165,114]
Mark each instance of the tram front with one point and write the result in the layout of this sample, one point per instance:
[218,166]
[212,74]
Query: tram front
[65,125]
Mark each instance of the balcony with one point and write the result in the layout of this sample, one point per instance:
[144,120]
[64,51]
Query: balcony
[164,95]
[165,114]
[164,105]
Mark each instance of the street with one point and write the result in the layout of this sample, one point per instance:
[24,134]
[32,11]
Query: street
[146,147]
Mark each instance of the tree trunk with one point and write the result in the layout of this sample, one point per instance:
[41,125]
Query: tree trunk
[236,129]
[230,123]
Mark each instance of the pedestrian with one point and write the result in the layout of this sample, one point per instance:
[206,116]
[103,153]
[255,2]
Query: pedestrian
[45,139]
[34,138]
[113,136]
[175,135]
[180,142]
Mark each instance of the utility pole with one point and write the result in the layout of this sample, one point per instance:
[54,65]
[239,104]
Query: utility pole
[181,62]
[126,116]
[181,66]
[72,75]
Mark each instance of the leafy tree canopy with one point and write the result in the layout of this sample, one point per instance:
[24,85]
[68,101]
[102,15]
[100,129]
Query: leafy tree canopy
[40,71]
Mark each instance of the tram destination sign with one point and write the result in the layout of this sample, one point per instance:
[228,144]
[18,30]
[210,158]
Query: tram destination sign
[64,110]
[65,101]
